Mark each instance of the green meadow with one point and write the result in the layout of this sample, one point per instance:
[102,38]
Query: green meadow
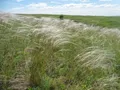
[103,21]
[45,53]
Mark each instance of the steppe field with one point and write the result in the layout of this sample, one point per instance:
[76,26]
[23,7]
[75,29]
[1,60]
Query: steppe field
[42,52]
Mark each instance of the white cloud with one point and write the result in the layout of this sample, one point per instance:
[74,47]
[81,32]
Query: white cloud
[17,8]
[37,5]
[107,5]
[84,0]
[54,2]
[77,0]
[105,0]
[19,0]
[72,9]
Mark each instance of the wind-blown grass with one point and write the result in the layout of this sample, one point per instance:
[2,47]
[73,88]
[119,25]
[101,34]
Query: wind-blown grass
[61,54]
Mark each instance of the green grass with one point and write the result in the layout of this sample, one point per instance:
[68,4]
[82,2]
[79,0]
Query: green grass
[11,51]
[60,54]
[103,21]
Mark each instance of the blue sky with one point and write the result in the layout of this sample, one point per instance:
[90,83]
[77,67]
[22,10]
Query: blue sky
[72,7]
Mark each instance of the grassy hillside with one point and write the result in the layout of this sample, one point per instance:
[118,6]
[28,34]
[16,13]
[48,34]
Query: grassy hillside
[53,54]
[103,21]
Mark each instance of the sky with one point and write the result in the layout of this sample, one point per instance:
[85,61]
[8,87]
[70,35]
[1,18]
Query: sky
[68,7]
